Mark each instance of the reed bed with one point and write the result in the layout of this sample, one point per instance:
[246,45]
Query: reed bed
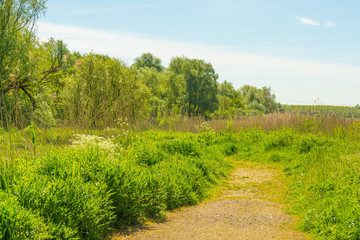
[302,123]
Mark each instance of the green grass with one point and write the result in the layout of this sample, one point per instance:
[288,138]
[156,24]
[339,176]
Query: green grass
[81,186]
[69,184]
[324,175]
[322,110]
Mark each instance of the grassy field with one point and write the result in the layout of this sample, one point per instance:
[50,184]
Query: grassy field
[65,183]
[58,184]
[322,110]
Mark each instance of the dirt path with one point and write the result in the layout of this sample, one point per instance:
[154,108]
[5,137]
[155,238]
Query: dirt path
[246,208]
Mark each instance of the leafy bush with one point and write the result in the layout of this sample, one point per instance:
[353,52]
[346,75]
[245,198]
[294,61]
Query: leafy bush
[148,154]
[16,222]
[230,149]
[323,171]
[97,183]
[312,142]
[185,147]
[84,208]
[279,140]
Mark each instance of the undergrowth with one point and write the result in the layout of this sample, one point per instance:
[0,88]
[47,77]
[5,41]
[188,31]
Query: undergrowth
[93,184]
[324,173]
[62,184]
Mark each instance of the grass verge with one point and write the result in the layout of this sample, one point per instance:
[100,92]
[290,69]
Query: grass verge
[96,183]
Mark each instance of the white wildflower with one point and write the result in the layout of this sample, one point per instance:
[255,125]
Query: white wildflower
[92,141]
[204,127]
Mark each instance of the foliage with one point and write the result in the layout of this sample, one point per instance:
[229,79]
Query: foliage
[102,90]
[201,85]
[323,110]
[259,99]
[46,84]
[26,66]
[157,84]
[98,182]
[246,101]
[19,223]
[148,60]
[323,172]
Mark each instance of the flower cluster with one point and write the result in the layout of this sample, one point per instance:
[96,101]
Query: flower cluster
[106,145]
[204,127]
[122,122]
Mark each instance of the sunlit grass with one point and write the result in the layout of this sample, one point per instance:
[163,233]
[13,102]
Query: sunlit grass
[80,184]
[127,175]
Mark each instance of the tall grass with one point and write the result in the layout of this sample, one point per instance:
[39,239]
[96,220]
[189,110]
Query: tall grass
[77,183]
[79,186]
[323,170]
[314,124]
[323,110]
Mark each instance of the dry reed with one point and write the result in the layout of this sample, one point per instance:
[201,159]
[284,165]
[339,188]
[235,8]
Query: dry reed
[315,124]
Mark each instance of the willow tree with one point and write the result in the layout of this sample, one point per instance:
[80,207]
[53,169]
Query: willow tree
[103,90]
[148,60]
[20,71]
[201,86]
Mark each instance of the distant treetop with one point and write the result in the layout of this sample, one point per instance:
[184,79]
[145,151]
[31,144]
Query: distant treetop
[148,60]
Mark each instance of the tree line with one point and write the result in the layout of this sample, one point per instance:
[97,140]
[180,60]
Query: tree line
[46,83]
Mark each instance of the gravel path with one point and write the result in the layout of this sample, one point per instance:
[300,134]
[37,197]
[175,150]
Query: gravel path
[245,209]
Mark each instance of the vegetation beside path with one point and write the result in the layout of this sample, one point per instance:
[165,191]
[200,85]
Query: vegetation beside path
[96,183]
[246,207]
[63,183]
[320,157]
[323,173]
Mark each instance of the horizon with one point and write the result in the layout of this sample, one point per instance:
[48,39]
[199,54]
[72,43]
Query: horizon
[306,52]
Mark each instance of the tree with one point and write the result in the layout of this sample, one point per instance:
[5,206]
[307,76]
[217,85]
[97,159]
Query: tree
[257,99]
[175,89]
[156,82]
[201,87]
[230,101]
[102,90]
[270,103]
[226,89]
[20,54]
[176,63]
[148,60]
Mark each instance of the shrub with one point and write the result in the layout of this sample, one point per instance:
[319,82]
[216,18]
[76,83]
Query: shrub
[85,208]
[18,223]
[185,147]
[230,149]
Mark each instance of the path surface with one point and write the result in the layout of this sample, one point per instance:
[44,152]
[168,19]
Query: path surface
[247,208]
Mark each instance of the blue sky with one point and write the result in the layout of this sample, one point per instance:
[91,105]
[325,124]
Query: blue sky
[307,51]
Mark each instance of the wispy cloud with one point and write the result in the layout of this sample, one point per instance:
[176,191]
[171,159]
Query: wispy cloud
[330,24]
[312,22]
[307,21]
[315,78]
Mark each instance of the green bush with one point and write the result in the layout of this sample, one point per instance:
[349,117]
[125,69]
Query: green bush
[95,184]
[313,142]
[323,171]
[185,147]
[135,194]
[230,149]
[148,154]
[83,207]
[18,223]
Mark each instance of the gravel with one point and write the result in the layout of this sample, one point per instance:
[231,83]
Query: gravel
[242,211]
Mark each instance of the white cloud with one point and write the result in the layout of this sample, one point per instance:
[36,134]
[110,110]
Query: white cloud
[330,24]
[332,83]
[307,21]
